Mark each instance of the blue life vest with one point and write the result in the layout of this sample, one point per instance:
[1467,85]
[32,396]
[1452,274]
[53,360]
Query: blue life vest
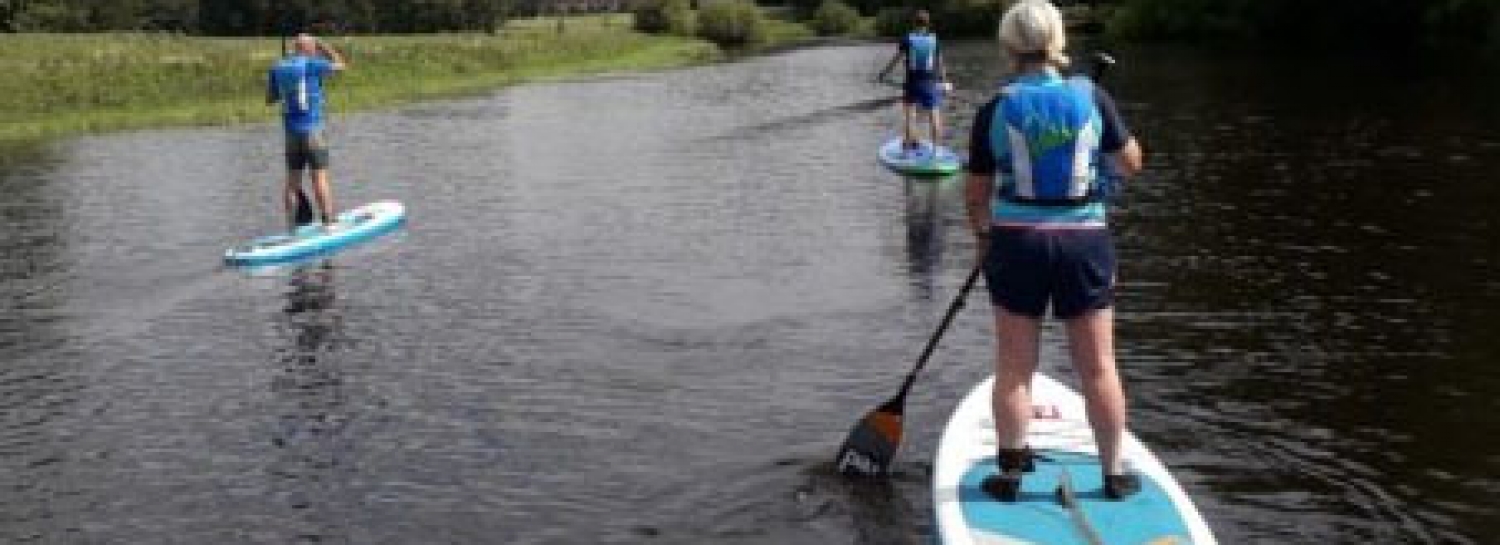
[1046,134]
[921,53]
[297,82]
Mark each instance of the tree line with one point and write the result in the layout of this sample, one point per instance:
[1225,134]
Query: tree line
[1401,24]
[260,17]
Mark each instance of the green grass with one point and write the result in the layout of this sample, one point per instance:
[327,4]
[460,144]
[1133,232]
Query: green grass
[59,85]
[781,30]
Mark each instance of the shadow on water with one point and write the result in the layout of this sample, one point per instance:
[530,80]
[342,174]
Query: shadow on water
[21,154]
[32,252]
[313,463]
[879,511]
[784,124]
[814,504]
[924,233]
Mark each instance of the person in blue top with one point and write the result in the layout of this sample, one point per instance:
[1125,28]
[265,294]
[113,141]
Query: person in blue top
[1040,156]
[926,79]
[296,83]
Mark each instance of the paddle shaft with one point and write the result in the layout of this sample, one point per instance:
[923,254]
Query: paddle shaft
[932,342]
[1069,500]
[1066,494]
[873,442]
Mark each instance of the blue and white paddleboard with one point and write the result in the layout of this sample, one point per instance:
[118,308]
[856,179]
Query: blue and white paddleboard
[924,160]
[349,228]
[1160,514]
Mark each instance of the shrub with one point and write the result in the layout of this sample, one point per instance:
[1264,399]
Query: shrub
[732,23]
[835,17]
[968,19]
[892,22]
[665,16]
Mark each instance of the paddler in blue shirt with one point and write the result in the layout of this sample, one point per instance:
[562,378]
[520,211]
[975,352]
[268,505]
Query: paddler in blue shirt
[926,79]
[296,82]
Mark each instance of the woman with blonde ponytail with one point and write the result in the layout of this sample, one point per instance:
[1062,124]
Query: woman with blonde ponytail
[1039,156]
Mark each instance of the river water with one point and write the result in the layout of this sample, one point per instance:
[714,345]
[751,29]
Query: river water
[646,309]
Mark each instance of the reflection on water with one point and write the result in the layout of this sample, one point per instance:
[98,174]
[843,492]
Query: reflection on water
[924,233]
[314,463]
[646,309]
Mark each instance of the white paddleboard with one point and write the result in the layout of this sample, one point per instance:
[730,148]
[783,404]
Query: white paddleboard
[1160,514]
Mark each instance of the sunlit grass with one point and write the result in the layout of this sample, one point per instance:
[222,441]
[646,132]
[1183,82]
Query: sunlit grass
[59,84]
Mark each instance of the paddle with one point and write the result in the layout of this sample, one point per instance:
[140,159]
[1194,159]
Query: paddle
[1069,500]
[873,442]
[1102,62]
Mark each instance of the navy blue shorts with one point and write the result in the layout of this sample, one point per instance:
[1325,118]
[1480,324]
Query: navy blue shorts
[922,92]
[1073,270]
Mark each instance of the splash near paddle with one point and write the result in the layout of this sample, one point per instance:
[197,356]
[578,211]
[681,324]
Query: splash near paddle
[1062,501]
[349,228]
[872,444]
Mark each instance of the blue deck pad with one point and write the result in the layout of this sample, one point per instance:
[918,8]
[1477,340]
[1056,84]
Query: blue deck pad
[1038,516]
[922,160]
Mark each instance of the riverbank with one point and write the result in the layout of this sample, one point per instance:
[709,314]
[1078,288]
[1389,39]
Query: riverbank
[61,85]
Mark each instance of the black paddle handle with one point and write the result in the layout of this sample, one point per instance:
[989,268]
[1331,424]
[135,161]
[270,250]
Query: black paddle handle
[1102,63]
[953,308]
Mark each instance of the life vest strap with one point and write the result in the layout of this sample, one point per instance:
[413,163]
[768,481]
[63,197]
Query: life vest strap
[1091,198]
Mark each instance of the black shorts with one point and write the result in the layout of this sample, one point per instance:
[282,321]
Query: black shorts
[306,151]
[1073,270]
[925,93]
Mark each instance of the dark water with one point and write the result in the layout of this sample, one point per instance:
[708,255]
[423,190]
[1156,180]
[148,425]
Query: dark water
[646,310]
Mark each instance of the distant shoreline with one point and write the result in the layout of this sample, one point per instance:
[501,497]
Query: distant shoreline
[64,85]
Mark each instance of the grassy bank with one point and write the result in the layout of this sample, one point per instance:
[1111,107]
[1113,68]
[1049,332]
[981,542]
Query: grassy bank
[59,85]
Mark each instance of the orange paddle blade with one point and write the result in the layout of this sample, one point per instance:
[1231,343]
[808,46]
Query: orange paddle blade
[872,444]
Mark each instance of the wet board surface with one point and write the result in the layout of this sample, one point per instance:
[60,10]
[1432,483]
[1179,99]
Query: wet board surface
[1160,514]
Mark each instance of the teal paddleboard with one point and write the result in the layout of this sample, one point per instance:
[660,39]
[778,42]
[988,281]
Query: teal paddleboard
[349,228]
[1160,514]
[923,160]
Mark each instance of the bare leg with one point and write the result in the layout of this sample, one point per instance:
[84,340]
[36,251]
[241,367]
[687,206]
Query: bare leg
[324,194]
[908,136]
[935,122]
[1091,343]
[1016,363]
[289,196]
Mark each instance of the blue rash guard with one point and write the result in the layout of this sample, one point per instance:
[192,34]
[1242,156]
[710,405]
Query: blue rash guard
[922,54]
[921,49]
[297,83]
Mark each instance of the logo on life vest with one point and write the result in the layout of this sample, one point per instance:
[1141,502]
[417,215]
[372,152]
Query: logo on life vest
[1047,134]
